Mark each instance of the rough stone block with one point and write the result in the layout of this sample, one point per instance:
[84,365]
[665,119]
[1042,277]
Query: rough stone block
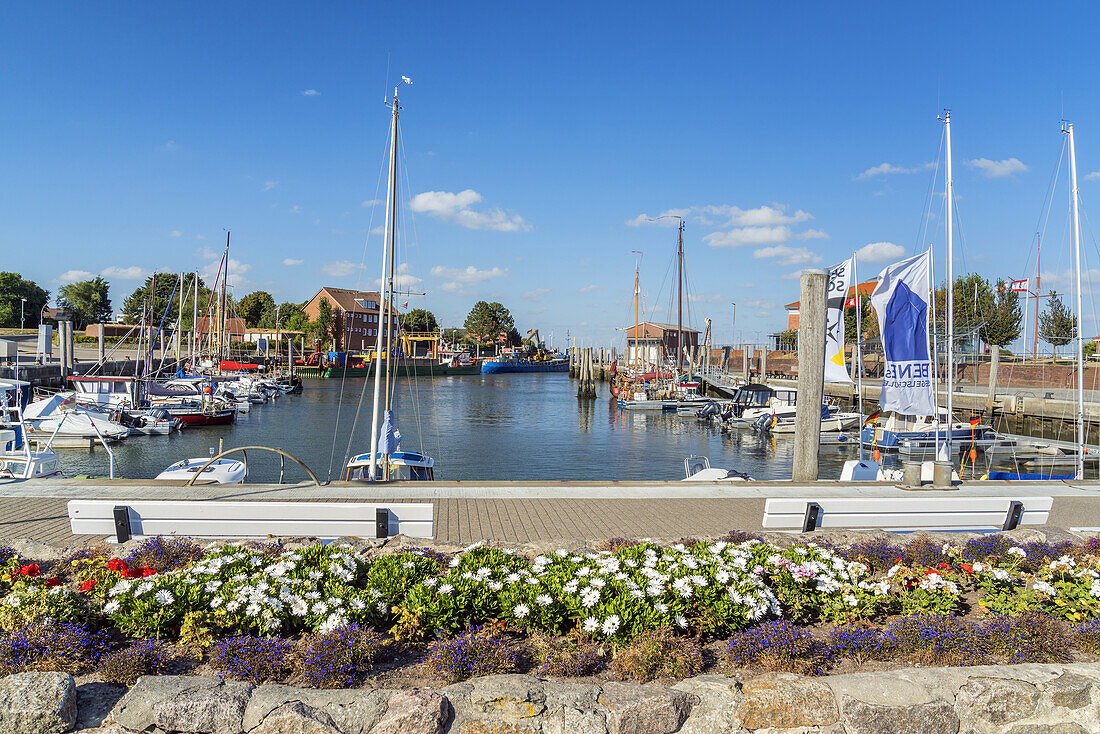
[353,711]
[1066,728]
[998,700]
[785,700]
[297,718]
[934,717]
[716,711]
[135,710]
[1070,691]
[37,703]
[644,709]
[413,712]
[217,710]
[509,696]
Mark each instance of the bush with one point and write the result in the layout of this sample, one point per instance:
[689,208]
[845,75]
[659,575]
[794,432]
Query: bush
[566,656]
[859,643]
[1086,637]
[777,645]
[471,654]
[658,654]
[6,553]
[340,658]
[125,666]
[255,659]
[935,639]
[164,554]
[923,550]
[985,546]
[61,646]
[877,553]
[1033,637]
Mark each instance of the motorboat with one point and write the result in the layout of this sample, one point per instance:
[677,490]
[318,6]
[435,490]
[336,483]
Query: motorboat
[68,423]
[698,469]
[220,471]
[17,459]
[149,422]
[754,400]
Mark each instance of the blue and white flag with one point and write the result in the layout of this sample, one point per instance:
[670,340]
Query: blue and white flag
[901,301]
[836,293]
[391,437]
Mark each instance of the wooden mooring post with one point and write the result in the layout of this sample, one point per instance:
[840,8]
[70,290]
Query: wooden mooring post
[587,387]
[811,375]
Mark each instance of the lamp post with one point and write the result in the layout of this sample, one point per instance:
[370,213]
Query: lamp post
[22,323]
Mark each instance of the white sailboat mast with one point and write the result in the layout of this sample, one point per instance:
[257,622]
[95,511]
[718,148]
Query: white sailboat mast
[387,250]
[950,195]
[1068,129]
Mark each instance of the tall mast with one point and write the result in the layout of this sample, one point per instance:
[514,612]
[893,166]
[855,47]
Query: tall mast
[950,196]
[195,323]
[223,342]
[1038,289]
[636,325]
[680,298]
[387,249]
[1068,128]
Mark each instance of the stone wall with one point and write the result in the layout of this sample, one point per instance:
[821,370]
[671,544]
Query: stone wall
[1021,699]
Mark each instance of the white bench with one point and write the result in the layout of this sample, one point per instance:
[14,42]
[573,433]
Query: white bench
[213,519]
[906,513]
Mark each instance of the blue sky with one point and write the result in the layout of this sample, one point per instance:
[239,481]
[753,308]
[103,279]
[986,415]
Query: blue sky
[133,134]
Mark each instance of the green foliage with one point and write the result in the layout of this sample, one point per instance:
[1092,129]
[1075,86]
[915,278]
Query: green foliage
[658,653]
[571,656]
[489,323]
[88,300]
[291,317]
[322,327]
[258,310]
[1057,326]
[866,317]
[1004,319]
[788,339]
[340,658]
[165,284]
[419,320]
[974,301]
[124,666]
[12,288]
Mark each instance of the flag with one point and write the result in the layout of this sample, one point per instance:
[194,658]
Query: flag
[975,421]
[901,302]
[873,418]
[405,304]
[1017,286]
[390,437]
[835,295]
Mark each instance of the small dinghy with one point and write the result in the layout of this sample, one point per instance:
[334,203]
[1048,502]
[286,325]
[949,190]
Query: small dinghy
[222,471]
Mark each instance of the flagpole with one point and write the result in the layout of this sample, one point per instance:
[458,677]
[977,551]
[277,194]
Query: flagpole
[935,352]
[859,355]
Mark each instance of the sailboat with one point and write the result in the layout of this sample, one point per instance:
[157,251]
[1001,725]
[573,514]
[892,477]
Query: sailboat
[386,461]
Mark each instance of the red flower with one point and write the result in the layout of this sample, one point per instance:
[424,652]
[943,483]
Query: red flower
[147,571]
[966,567]
[31,570]
[897,561]
[116,564]
[53,582]
[944,565]
[88,585]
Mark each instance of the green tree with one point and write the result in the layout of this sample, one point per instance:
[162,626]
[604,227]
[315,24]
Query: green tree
[1057,326]
[789,338]
[1004,319]
[322,328]
[165,285]
[12,288]
[420,320]
[488,323]
[89,301]
[866,316]
[973,296]
[254,307]
[456,336]
[513,339]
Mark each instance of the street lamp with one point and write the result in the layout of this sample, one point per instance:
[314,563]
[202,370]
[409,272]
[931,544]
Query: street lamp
[22,301]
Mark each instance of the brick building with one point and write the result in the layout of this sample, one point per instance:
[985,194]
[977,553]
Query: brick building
[656,341]
[355,317]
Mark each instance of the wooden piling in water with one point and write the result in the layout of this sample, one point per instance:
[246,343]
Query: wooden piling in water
[811,375]
[587,387]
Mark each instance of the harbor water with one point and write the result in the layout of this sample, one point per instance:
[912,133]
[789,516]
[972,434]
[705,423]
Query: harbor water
[503,427]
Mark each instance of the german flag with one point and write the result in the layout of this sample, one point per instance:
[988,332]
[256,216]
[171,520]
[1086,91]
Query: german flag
[873,418]
[975,421]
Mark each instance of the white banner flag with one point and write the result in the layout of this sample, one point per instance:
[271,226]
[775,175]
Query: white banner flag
[836,293]
[901,302]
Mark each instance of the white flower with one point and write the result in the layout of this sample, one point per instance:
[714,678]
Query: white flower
[315,575]
[143,588]
[543,600]
[512,578]
[494,585]
[430,582]
[1000,574]
[299,608]
[164,597]
[383,607]
[852,601]
[320,607]
[407,564]
[1017,551]
[590,624]
[233,606]
[1045,588]
[681,621]
[216,602]
[119,588]
[570,587]
[446,589]
[662,608]
[111,606]
[610,625]
[521,611]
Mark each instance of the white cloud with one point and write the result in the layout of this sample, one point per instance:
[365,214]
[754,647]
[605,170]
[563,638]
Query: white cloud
[71,276]
[812,234]
[728,216]
[535,293]
[269,185]
[200,237]
[207,254]
[469,274]
[880,252]
[402,278]
[998,169]
[371,202]
[175,233]
[295,209]
[884,169]
[739,236]
[170,146]
[339,268]
[131,273]
[789,255]
[237,271]
[706,297]
[310,93]
[380,229]
[291,261]
[588,288]
[1094,176]
[456,207]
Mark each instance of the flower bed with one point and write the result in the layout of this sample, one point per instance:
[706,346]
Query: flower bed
[804,608]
